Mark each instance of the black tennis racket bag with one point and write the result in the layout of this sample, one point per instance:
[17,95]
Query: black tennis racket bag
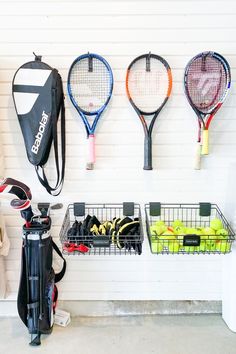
[38,98]
[37,293]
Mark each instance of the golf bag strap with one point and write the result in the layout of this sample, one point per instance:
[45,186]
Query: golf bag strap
[61,274]
[40,169]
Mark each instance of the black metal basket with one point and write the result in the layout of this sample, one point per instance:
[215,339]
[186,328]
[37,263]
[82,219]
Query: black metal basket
[106,244]
[196,216]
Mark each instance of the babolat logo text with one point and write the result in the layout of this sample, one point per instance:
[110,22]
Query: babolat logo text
[39,136]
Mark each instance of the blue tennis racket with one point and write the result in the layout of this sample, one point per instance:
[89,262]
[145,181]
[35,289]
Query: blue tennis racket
[90,85]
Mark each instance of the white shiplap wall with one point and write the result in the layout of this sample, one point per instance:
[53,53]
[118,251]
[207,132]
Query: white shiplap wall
[120,31]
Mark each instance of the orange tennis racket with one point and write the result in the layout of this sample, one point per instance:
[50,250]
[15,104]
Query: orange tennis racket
[148,87]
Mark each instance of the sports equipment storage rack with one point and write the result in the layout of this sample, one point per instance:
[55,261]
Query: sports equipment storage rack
[116,229]
[195,217]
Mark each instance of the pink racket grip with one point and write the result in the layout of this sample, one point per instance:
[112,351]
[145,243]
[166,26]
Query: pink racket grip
[91,152]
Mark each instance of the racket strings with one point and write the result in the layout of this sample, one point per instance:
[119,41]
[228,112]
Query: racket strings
[148,89]
[90,89]
[206,83]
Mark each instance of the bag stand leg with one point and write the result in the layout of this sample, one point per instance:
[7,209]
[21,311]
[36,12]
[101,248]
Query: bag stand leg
[35,340]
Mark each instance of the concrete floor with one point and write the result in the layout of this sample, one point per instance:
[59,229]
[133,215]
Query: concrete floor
[190,334]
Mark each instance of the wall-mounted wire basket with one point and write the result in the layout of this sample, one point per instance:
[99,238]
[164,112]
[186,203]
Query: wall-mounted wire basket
[102,229]
[199,237]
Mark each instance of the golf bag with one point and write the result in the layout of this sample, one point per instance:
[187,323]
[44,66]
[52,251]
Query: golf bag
[38,98]
[37,295]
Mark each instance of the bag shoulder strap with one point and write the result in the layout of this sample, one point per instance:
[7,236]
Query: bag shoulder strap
[61,274]
[40,169]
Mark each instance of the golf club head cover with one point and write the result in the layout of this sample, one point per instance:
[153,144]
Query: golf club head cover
[22,192]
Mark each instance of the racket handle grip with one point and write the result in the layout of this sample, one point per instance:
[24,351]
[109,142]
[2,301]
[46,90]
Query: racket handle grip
[147,153]
[197,160]
[205,142]
[91,152]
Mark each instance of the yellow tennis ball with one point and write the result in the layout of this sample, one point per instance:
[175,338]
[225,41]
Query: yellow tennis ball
[222,233]
[167,235]
[160,223]
[160,229]
[202,247]
[153,230]
[199,229]
[157,247]
[223,246]
[157,230]
[211,245]
[208,231]
[216,224]
[177,223]
[179,230]
[173,246]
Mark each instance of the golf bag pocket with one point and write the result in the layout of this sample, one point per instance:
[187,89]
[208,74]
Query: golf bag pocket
[51,295]
[38,98]
[37,293]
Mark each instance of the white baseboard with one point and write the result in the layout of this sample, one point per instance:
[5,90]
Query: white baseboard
[125,308]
